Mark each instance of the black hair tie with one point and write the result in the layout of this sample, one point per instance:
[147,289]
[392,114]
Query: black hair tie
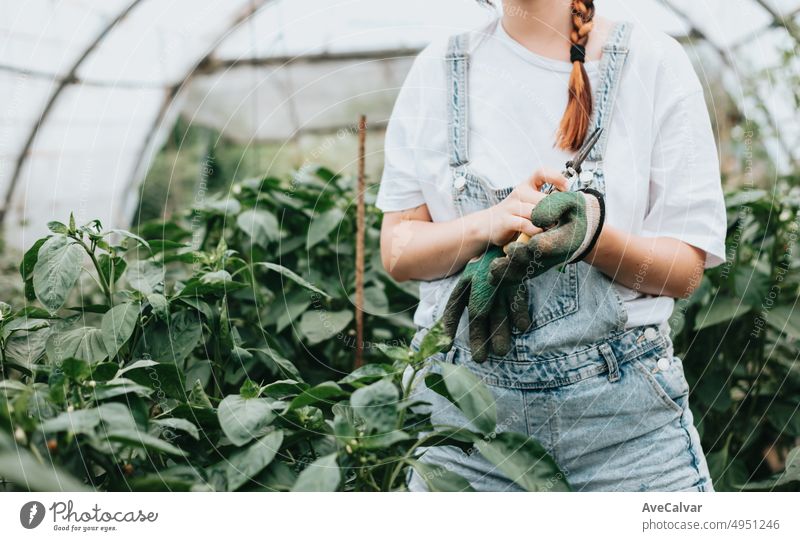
[577,53]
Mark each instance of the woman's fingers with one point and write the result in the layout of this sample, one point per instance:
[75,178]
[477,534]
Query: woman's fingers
[523,224]
[455,307]
[521,208]
[479,337]
[518,306]
[547,175]
[500,327]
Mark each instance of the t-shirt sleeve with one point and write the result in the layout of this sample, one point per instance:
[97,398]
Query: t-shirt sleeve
[400,187]
[686,200]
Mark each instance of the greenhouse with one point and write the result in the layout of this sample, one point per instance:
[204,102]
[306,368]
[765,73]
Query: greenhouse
[194,294]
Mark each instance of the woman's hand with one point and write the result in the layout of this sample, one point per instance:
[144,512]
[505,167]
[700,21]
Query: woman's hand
[502,223]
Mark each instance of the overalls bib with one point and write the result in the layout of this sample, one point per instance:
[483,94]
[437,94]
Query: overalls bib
[609,404]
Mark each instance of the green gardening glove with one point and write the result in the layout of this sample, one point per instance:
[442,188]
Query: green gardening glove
[491,309]
[572,222]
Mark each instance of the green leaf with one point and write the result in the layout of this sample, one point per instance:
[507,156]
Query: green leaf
[470,395]
[142,363]
[119,387]
[440,479]
[367,374]
[27,265]
[785,418]
[243,465]
[384,440]
[142,440]
[76,422]
[720,310]
[290,308]
[434,341]
[283,388]
[785,319]
[321,392]
[173,423]
[118,325]
[729,474]
[242,419]
[395,353]
[160,305]
[76,369]
[376,302]
[128,235]
[57,227]
[376,404]
[260,225]
[20,468]
[321,325]
[211,283]
[85,343]
[104,371]
[56,270]
[171,342]
[322,225]
[145,277]
[322,475]
[163,378]
[294,277]
[249,389]
[524,461]
[111,267]
[218,206]
[278,364]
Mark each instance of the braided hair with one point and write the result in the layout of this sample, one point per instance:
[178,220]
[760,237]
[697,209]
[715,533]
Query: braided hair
[575,122]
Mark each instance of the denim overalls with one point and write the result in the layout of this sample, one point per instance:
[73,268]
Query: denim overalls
[609,404]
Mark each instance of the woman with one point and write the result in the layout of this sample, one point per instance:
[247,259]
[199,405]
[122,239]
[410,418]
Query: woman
[588,368]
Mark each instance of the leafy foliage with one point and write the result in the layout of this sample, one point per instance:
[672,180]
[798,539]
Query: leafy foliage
[173,373]
[738,335]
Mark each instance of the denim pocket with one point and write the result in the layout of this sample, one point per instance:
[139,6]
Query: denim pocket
[665,374]
[553,295]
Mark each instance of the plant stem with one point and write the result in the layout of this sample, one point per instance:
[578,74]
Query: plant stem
[102,279]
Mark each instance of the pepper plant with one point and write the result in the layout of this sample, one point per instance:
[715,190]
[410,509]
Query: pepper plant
[738,336]
[154,361]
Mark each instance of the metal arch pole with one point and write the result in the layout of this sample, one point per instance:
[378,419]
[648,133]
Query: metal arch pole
[68,79]
[787,21]
[173,91]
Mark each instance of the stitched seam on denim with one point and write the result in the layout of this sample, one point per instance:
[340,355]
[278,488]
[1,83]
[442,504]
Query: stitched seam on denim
[458,70]
[701,482]
[579,373]
[632,353]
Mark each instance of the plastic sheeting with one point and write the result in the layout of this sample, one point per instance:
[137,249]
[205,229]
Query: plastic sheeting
[95,84]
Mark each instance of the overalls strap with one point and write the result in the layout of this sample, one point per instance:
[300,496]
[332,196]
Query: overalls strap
[615,51]
[457,80]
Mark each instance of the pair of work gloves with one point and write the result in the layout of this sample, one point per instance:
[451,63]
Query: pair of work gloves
[492,286]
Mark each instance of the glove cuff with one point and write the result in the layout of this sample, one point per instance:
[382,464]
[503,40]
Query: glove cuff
[595,218]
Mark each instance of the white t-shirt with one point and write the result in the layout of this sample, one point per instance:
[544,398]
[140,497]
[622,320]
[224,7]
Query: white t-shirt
[661,164]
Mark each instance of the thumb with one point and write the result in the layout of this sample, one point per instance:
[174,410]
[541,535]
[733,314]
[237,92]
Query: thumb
[550,209]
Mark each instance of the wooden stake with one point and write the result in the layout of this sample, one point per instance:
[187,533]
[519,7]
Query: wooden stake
[360,233]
